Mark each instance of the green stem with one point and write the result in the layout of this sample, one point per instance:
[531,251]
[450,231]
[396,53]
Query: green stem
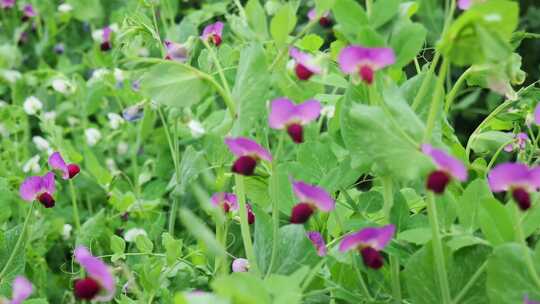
[311,275]
[369,7]
[425,83]
[496,155]
[470,284]
[15,250]
[285,50]
[455,89]
[218,66]
[435,102]
[438,253]
[75,206]
[388,196]
[241,9]
[244,225]
[221,235]
[363,284]
[526,251]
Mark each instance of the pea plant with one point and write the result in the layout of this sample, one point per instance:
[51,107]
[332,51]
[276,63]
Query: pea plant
[269,151]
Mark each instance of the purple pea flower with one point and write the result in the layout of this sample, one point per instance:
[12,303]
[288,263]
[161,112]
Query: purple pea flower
[100,284]
[106,39]
[22,289]
[324,21]
[318,241]
[69,171]
[537,114]
[306,64]
[133,113]
[365,61]
[225,200]
[526,300]
[240,265]
[311,198]
[175,51]
[466,4]
[7,3]
[517,178]
[213,32]
[248,152]
[28,12]
[369,241]
[284,114]
[520,142]
[448,167]
[39,188]
[59,48]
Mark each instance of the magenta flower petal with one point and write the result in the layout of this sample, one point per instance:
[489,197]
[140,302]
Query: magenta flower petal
[446,162]
[240,265]
[464,4]
[284,112]
[30,188]
[374,237]
[48,183]
[225,200]
[7,3]
[98,271]
[354,57]
[213,32]
[507,175]
[57,162]
[313,195]
[241,146]
[28,11]
[176,51]
[526,300]
[318,241]
[305,60]
[22,289]
[312,14]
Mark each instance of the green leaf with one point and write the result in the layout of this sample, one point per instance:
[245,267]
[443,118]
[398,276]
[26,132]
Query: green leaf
[173,248]
[173,84]
[118,245]
[490,141]
[86,10]
[350,16]
[407,42]
[191,166]
[294,250]
[283,23]
[93,165]
[399,214]
[310,42]
[383,11]
[508,277]
[242,288]
[8,239]
[144,244]
[322,6]
[92,229]
[469,203]
[262,238]
[495,221]
[200,231]
[257,18]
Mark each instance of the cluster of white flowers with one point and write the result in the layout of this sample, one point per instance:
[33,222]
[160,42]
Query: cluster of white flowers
[93,136]
[65,8]
[32,105]
[115,120]
[62,86]
[196,128]
[132,234]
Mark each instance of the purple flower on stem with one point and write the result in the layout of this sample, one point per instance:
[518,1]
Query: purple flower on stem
[175,51]
[520,142]
[537,114]
[248,152]
[318,241]
[39,188]
[284,114]
[133,113]
[225,200]
[306,64]
[106,39]
[28,12]
[69,171]
[448,167]
[213,32]
[240,265]
[100,284]
[466,4]
[526,300]
[311,198]
[7,3]
[324,21]
[369,241]
[516,178]
[22,289]
[365,61]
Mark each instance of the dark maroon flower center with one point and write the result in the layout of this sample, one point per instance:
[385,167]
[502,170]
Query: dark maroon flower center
[301,213]
[522,198]
[244,165]
[367,74]
[86,289]
[437,181]
[325,22]
[105,46]
[296,132]
[226,207]
[216,39]
[302,72]
[46,199]
[250,215]
[73,170]
[372,258]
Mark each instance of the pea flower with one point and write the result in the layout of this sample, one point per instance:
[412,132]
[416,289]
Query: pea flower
[537,114]
[32,165]
[115,120]
[62,86]
[311,198]
[196,128]
[22,289]
[100,284]
[32,105]
[519,144]
[516,178]
[466,4]
[28,12]
[59,48]
[133,113]
[250,214]
[369,242]
[65,8]
[526,300]
[7,3]
[69,171]
[448,167]
[305,64]
[225,200]
[104,36]
[93,136]
[42,144]
[213,32]
[248,152]
[39,188]
[240,265]
[324,20]
[318,241]
[284,114]
[365,61]
[175,51]
[132,234]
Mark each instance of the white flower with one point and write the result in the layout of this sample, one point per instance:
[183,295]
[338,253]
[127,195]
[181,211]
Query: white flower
[143,52]
[32,105]
[122,148]
[10,76]
[32,165]
[2,103]
[65,8]
[196,128]
[66,231]
[98,75]
[92,136]
[118,75]
[42,144]
[72,121]
[328,111]
[115,120]
[62,86]
[133,233]
[49,115]
[3,131]
[111,165]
